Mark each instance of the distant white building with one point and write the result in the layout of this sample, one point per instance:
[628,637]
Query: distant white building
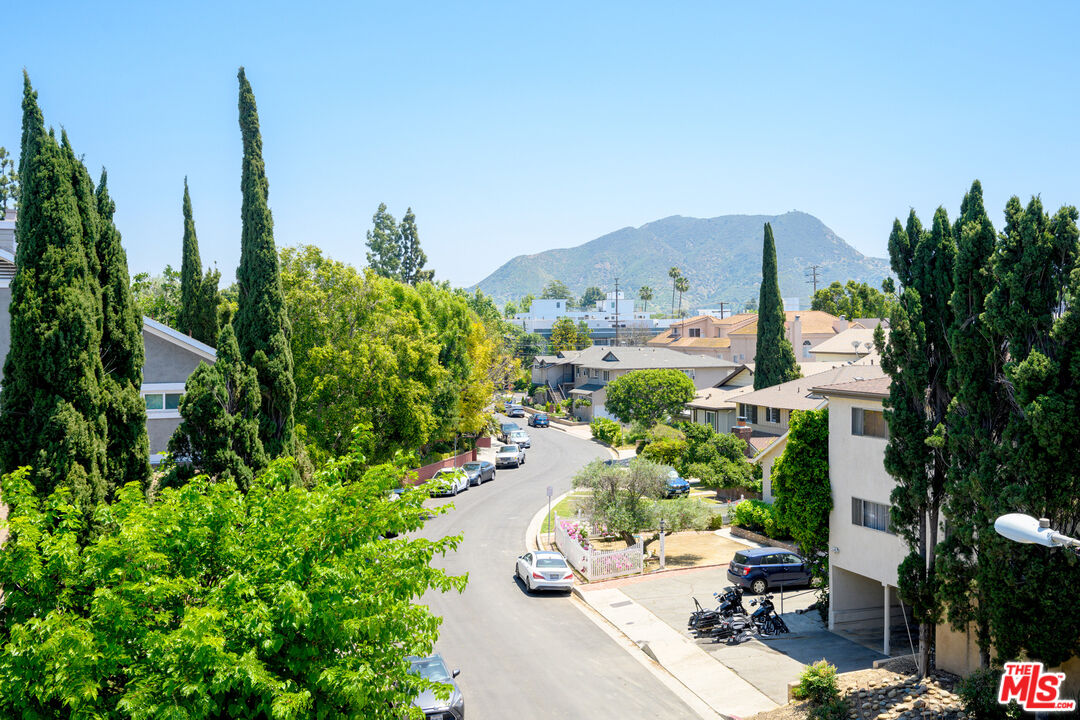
[602,319]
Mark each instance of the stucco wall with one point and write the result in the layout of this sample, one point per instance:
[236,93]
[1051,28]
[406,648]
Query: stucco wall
[166,362]
[160,430]
[856,469]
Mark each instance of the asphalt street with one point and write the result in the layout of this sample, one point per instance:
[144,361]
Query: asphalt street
[531,656]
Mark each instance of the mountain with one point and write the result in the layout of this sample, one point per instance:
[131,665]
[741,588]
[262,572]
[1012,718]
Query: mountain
[721,257]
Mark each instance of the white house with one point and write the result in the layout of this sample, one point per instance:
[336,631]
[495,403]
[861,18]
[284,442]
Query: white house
[614,311]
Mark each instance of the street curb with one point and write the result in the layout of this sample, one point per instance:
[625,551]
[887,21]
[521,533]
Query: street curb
[532,532]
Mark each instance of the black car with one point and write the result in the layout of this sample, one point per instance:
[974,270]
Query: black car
[434,668]
[538,420]
[770,567]
[479,472]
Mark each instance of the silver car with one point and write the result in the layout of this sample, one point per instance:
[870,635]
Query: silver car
[520,438]
[434,668]
[448,481]
[544,570]
[509,455]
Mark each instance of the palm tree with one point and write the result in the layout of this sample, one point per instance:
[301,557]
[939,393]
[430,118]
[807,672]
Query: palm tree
[682,285]
[645,293]
[674,273]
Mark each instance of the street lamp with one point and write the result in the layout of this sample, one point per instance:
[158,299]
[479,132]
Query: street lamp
[1026,529]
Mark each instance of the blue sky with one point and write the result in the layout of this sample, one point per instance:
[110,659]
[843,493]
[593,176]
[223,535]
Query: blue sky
[512,128]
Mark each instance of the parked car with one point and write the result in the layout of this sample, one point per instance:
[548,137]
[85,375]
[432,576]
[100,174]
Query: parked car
[520,438]
[676,486]
[505,429]
[762,568]
[515,411]
[509,455]
[434,668]
[538,420]
[448,481]
[481,471]
[544,570]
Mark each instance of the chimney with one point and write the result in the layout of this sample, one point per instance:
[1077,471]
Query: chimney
[743,432]
[796,339]
[840,324]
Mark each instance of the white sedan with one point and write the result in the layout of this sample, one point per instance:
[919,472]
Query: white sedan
[448,481]
[544,570]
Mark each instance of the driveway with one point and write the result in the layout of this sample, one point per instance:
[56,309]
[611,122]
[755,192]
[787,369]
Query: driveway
[769,665]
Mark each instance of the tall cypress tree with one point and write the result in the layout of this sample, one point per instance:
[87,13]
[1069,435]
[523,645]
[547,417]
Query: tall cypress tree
[975,424]
[384,244]
[261,322]
[774,359]
[917,358]
[122,355]
[198,291]
[413,258]
[51,404]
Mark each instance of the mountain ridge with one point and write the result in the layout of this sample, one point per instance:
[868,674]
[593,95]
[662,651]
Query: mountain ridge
[720,256]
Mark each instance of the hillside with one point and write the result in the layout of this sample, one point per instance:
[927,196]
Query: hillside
[720,256]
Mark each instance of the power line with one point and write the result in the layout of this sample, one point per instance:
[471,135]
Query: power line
[812,274]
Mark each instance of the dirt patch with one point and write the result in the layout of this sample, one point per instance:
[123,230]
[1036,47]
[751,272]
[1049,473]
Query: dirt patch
[890,692]
[683,550]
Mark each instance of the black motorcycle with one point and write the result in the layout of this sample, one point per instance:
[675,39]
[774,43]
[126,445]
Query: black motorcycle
[765,619]
[733,630]
[702,620]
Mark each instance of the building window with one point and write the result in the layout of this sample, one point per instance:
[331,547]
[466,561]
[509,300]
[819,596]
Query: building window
[162,401]
[595,373]
[806,348]
[689,373]
[772,415]
[607,376]
[749,412]
[710,419]
[870,515]
[869,423]
[695,332]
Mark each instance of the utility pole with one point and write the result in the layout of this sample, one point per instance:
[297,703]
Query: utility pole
[722,304]
[616,312]
[812,274]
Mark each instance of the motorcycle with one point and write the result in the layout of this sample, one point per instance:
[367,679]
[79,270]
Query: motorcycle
[702,620]
[766,620]
[733,630]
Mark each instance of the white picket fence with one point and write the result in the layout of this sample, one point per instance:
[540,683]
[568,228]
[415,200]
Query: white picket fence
[598,564]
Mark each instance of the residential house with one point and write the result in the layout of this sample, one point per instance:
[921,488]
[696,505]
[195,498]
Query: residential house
[805,330]
[763,416]
[171,356]
[848,345]
[702,334]
[593,368]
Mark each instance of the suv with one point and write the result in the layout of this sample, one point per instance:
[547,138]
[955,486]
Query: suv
[505,429]
[762,568]
[676,486]
[520,438]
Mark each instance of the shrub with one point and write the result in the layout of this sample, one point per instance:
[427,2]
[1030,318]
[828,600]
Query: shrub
[760,517]
[606,431]
[667,451]
[716,522]
[979,693]
[683,514]
[818,684]
[832,710]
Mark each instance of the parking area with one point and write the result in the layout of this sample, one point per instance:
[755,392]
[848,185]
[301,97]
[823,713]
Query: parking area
[768,665]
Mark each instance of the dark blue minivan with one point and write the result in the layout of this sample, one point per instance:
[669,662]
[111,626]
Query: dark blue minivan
[770,567]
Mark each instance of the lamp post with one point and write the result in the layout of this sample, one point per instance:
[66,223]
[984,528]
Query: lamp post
[662,543]
[1026,529]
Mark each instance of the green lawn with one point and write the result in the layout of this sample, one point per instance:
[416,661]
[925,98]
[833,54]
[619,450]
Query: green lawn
[567,507]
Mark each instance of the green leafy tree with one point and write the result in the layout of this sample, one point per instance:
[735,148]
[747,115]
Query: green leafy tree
[774,357]
[918,360]
[122,356]
[157,296]
[261,321]
[584,335]
[198,315]
[674,273]
[645,294]
[384,248]
[648,396]
[51,406]
[557,290]
[1033,306]
[621,498]
[219,435]
[413,258]
[590,297]
[282,602]
[682,285]
[510,309]
[854,300]
[716,459]
[526,303]
[9,183]
[800,485]
[564,335]
[529,345]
